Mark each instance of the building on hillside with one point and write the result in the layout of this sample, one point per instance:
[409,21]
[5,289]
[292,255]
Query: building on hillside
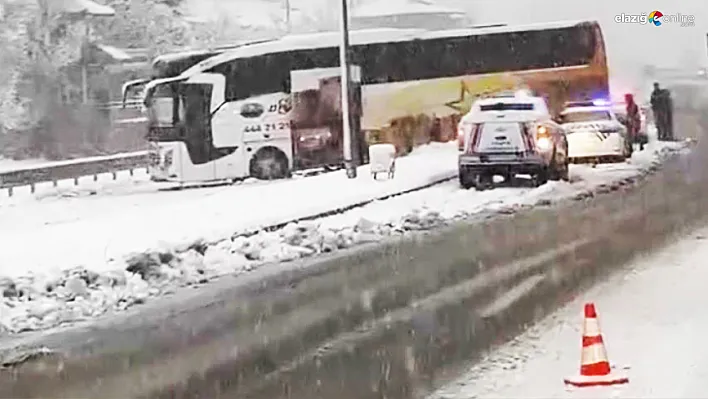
[109,67]
[91,114]
[419,14]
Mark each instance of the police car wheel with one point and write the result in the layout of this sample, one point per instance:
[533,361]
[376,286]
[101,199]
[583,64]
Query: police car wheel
[510,179]
[630,149]
[486,181]
[557,172]
[468,180]
[541,177]
[566,172]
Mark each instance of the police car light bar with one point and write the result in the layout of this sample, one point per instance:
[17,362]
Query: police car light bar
[589,103]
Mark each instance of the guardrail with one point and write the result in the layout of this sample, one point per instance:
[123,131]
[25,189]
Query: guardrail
[72,169]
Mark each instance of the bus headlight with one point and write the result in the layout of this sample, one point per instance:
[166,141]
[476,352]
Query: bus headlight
[169,158]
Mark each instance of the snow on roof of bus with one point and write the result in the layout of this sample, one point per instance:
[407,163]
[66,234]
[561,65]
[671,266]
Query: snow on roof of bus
[169,57]
[178,55]
[364,36]
[308,41]
[487,30]
[401,7]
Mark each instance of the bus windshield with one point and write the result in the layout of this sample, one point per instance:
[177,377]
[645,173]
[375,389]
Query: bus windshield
[161,109]
[176,110]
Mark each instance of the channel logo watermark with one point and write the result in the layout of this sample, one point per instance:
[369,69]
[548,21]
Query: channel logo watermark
[657,18]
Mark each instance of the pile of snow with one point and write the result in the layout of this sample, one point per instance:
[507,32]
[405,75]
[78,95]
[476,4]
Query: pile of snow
[41,301]
[93,231]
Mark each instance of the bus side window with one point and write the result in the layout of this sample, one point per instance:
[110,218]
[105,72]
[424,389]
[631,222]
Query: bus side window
[470,54]
[278,66]
[375,60]
[229,70]
[392,66]
[428,62]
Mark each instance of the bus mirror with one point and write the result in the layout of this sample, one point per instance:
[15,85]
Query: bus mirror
[129,86]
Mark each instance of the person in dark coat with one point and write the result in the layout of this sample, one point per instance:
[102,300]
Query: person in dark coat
[634,120]
[669,105]
[658,107]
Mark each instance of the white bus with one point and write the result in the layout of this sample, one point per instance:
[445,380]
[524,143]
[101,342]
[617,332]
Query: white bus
[240,114]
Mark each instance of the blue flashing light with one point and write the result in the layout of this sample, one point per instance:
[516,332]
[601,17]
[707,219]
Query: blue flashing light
[600,102]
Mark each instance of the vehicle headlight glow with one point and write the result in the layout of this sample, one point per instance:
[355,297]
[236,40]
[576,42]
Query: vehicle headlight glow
[600,102]
[543,143]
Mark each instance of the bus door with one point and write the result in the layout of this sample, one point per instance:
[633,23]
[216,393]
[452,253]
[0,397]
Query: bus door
[221,139]
[317,116]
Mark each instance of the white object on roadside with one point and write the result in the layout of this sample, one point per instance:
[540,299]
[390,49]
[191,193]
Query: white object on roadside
[382,159]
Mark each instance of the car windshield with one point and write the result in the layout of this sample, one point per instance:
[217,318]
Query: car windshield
[586,116]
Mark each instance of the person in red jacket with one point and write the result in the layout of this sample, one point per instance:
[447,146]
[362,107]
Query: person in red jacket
[634,120]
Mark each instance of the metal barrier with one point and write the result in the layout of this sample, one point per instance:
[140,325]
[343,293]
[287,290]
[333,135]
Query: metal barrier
[72,169]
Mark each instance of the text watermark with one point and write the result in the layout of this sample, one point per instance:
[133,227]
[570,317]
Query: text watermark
[657,18]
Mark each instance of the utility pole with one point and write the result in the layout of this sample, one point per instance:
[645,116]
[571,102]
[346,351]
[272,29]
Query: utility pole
[346,98]
[288,21]
[85,49]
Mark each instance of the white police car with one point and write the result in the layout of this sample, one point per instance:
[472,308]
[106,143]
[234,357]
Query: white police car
[594,133]
[508,135]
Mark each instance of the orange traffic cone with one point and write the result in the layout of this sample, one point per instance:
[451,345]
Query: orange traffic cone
[594,365]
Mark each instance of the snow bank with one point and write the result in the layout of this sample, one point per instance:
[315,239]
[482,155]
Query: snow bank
[96,231]
[7,165]
[35,301]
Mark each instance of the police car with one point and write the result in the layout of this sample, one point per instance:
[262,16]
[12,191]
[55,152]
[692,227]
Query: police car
[508,135]
[594,133]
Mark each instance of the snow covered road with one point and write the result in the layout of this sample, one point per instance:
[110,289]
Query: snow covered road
[653,319]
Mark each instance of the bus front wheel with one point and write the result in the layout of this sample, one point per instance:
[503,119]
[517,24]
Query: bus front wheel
[269,164]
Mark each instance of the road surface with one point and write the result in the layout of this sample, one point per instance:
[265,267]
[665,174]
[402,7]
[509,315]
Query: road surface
[654,321]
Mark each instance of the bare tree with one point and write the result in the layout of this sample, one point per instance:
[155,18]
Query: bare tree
[152,24]
[14,18]
[38,42]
